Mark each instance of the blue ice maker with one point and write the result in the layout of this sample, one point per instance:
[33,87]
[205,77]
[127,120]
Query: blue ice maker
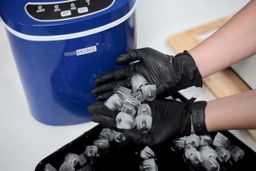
[61,46]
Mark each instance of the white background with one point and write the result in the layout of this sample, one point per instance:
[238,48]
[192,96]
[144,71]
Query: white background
[24,141]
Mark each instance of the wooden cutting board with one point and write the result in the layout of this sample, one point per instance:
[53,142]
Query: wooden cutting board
[223,83]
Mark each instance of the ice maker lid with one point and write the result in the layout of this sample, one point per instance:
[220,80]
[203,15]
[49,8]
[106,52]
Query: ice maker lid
[53,18]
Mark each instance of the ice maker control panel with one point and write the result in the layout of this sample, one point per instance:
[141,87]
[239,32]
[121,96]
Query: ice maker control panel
[62,10]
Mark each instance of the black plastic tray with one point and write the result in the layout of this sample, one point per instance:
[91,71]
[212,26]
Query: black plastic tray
[125,157]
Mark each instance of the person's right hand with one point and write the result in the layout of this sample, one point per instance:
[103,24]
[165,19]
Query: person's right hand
[171,119]
[168,73]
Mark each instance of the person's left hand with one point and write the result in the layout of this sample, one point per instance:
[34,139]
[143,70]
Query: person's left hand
[169,73]
[171,119]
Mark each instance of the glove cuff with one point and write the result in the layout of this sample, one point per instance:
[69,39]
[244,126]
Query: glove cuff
[188,127]
[198,117]
[189,70]
[198,81]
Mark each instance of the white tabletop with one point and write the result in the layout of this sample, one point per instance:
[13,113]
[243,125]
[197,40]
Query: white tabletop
[24,141]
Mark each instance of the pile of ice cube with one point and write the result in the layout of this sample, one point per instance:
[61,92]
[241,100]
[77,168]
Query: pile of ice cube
[85,160]
[129,102]
[203,152]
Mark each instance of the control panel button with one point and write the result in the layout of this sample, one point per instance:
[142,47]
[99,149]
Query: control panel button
[82,10]
[65,9]
[40,9]
[65,13]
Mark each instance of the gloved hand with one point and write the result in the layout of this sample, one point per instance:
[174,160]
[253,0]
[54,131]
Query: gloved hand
[171,119]
[169,73]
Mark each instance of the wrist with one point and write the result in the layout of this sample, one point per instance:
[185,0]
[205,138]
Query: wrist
[198,118]
[192,129]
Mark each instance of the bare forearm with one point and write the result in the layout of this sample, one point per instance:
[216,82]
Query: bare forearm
[235,41]
[232,112]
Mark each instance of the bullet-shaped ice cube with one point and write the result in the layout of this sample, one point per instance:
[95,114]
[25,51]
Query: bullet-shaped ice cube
[193,140]
[124,121]
[102,143]
[49,167]
[129,100]
[72,158]
[107,133]
[211,164]
[70,161]
[148,165]
[83,159]
[179,142]
[138,95]
[147,153]
[92,151]
[205,140]
[67,167]
[207,152]
[114,102]
[223,154]
[193,155]
[128,109]
[143,123]
[119,137]
[221,141]
[149,92]
[137,80]
[236,153]
[209,158]
[122,91]
[144,109]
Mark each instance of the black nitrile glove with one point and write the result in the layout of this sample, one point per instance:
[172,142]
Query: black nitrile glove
[171,119]
[169,73]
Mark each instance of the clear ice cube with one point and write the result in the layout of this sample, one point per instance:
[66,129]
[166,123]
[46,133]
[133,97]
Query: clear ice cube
[236,152]
[223,154]
[72,159]
[179,142]
[82,160]
[221,141]
[114,102]
[193,155]
[124,121]
[211,164]
[144,109]
[205,140]
[128,109]
[119,137]
[207,152]
[137,80]
[138,95]
[193,140]
[129,100]
[92,151]
[107,133]
[102,143]
[49,167]
[67,167]
[148,165]
[147,153]
[143,123]
[122,91]
[149,92]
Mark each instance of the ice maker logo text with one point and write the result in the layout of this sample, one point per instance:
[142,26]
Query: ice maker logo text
[82,51]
